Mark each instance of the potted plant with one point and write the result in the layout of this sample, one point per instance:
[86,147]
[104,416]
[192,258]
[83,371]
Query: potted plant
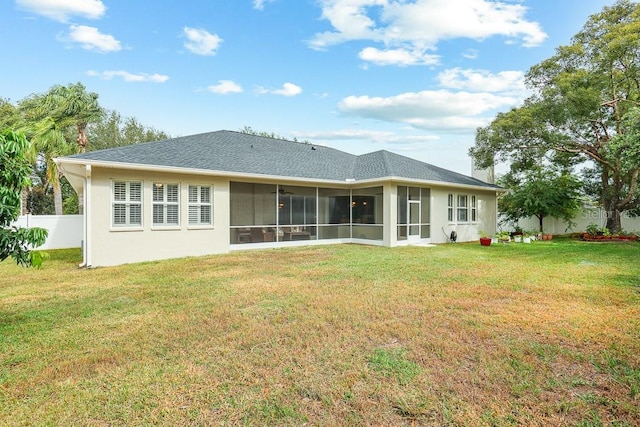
[504,236]
[517,234]
[485,240]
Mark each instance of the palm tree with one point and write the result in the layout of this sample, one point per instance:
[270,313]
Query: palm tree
[48,142]
[72,105]
[50,116]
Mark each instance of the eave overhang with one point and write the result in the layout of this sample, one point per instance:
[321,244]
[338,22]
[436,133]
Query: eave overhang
[75,168]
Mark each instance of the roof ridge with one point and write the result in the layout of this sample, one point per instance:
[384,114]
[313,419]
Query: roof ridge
[387,163]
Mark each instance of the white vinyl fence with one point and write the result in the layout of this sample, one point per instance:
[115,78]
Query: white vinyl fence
[588,216]
[65,231]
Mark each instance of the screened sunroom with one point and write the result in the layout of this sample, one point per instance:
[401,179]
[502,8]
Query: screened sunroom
[261,213]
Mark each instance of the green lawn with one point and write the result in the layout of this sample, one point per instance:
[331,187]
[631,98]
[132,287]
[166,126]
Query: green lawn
[458,334]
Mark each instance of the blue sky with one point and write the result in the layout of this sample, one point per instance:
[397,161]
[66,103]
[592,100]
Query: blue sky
[415,77]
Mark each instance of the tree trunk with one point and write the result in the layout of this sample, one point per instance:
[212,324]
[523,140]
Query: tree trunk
[24,199]
[540,218]
[82,137]
[614,221]
[57,199]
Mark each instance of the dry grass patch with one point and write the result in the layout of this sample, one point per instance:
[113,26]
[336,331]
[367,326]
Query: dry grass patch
[540,334]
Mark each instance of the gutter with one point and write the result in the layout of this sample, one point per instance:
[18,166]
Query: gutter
[349,182]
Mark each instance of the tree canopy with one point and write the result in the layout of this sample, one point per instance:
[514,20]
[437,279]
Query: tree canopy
[66,120]
[541,193]
[584,111]
[111,129]
[15,168]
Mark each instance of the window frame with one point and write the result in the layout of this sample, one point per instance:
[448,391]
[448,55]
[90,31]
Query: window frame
[455,210]
[165,203]
[199,204]
[128,202]
[462,210]
[473,206]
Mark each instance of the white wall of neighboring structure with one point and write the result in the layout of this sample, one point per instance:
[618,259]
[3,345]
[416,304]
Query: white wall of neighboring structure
[65,231]
[485,175]
[588,216]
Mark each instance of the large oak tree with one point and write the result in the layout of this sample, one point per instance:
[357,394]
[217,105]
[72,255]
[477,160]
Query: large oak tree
[584,111]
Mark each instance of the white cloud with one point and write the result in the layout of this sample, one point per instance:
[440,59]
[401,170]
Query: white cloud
[62,10]
[422,24]
[482,80]
[129,77]
[90,38]
[225,86]
[432,110]
[288,89]
[349,19]
[201,42]
[400,57]
[259,4]
[471,54]
[381,137]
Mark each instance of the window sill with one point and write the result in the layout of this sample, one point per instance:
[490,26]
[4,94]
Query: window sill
[127,228]
[165,227]
[200,227]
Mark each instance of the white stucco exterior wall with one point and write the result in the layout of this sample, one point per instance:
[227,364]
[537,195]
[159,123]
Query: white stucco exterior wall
[108,245]
[117,245]
[441,227]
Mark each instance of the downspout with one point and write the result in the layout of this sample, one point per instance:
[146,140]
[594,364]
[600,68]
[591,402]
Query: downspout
[496,213]
[86,219]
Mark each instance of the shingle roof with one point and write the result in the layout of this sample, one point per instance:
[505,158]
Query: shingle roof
[236,152]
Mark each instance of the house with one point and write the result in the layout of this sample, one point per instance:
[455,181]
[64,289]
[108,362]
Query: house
[221,191]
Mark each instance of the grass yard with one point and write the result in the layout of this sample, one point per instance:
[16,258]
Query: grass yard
[457,334]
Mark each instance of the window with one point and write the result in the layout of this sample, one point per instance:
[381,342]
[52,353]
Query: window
[463,209]
[166,207]
[474,215]
[450,207]
[199,205]
[126,204]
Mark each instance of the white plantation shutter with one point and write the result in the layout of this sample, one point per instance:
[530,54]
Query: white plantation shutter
[120,191]
[193,194]
[194,214]
[135,214]
[205,214]
[119,214]
[205,194]
[135,191]
[172,193]
[166,206]
[126,204]
[172,214]
[200,205]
